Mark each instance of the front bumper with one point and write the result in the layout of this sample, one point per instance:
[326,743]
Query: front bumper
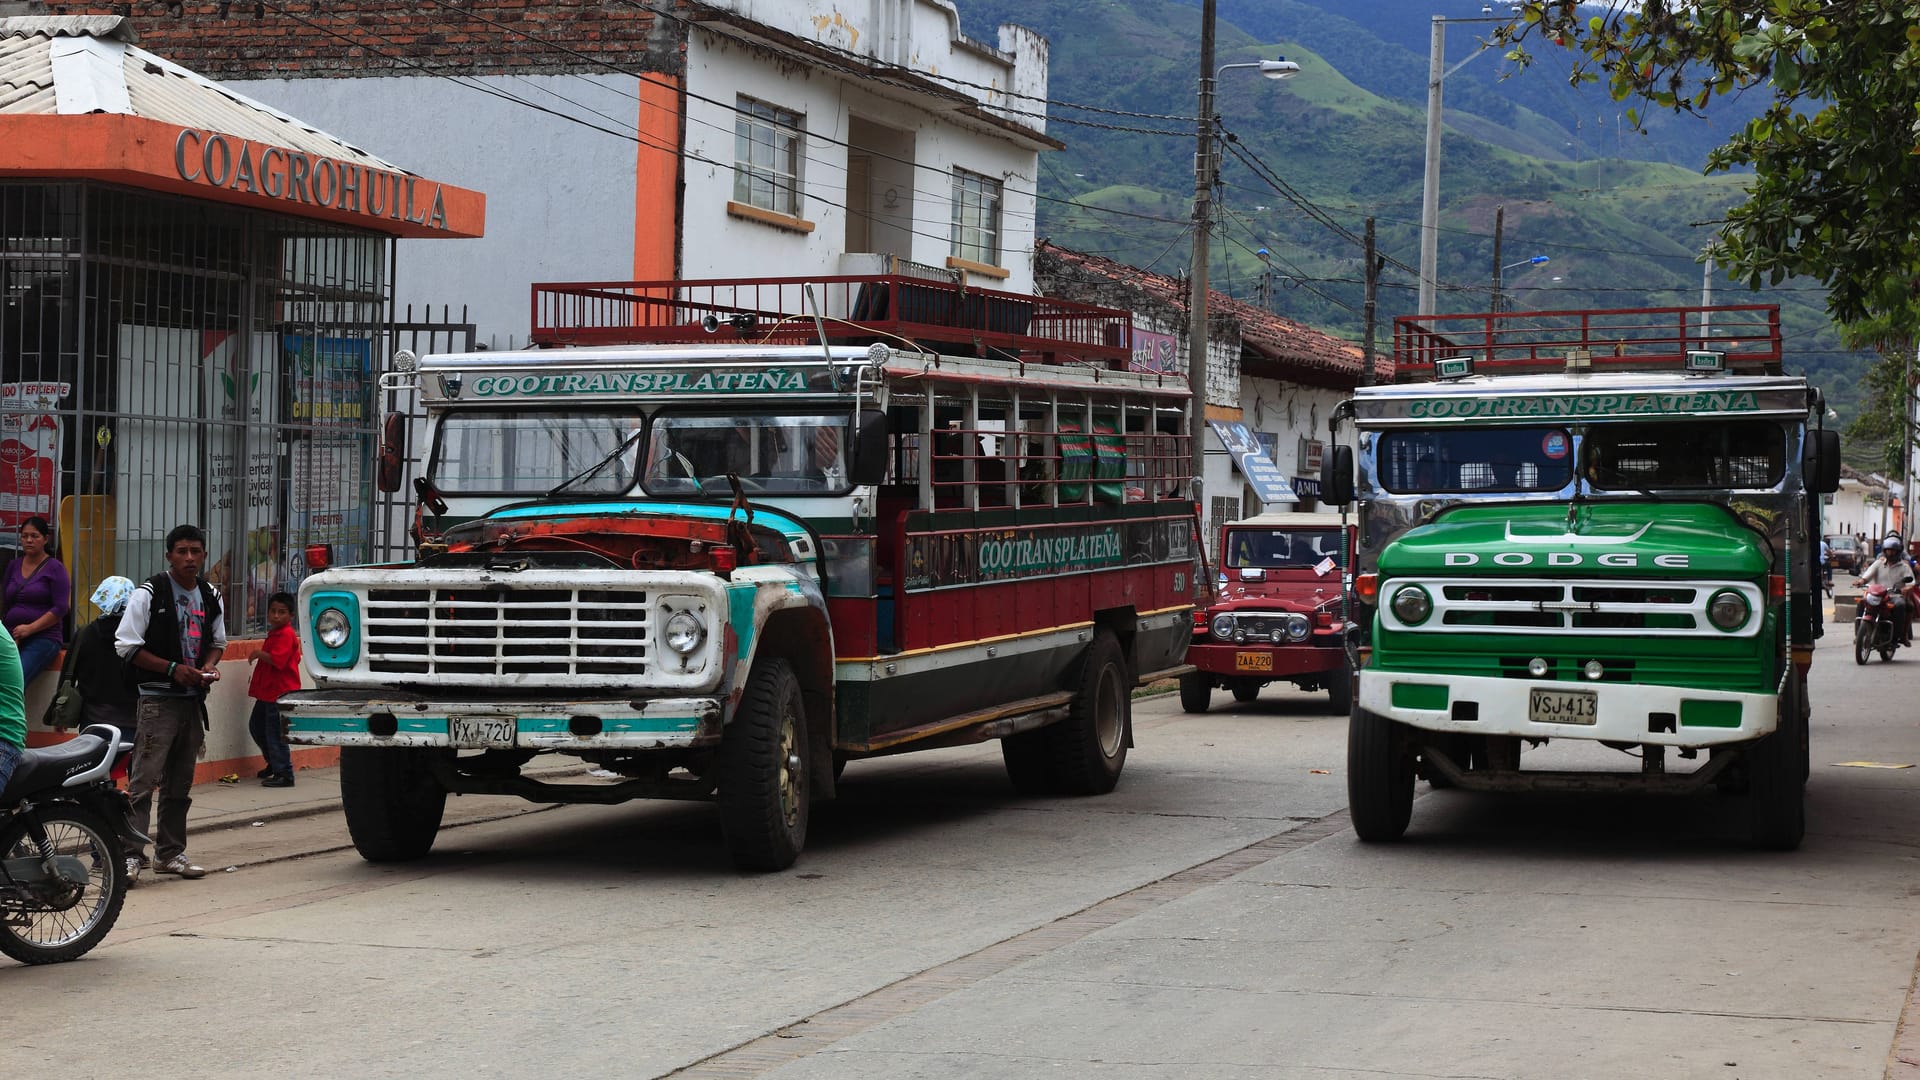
[1289,661]
[1625,711]
[350,718]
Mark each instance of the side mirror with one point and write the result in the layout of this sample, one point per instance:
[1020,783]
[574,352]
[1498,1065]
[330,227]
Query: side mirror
[393,435]
[1822,466]
[869,465]
[1336,476]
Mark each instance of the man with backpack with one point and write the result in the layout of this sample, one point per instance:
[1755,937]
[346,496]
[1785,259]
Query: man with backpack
[173,636]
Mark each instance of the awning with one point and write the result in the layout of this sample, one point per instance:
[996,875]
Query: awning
[79,101]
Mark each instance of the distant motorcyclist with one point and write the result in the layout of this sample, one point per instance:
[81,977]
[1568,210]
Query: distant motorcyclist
[1894,571]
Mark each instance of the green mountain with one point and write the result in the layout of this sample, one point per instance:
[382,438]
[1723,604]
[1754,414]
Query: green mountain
[1620,215]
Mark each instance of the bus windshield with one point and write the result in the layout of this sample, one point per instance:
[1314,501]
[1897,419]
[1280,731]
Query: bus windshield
[1643,456]
[1492,459]
[494,452]
[792,454]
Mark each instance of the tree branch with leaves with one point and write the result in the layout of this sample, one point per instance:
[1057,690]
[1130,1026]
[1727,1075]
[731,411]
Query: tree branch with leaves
[1836,155]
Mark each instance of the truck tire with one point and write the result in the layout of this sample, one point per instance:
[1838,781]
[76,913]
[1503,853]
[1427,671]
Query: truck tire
[1777,779]
[763,771]
[392,802]
[1340,691]
[1244,690]
[1379,778]
[1083,754]
[1196,692]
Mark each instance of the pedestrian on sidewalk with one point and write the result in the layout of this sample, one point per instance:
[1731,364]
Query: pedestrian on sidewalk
[173,636]
[276,671]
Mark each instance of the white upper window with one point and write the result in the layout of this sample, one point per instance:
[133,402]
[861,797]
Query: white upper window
[976,217]
[766,156]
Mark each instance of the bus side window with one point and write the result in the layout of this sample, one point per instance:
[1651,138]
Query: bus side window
[1109,463]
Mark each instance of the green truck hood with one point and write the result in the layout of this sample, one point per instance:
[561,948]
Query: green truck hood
[1605,539]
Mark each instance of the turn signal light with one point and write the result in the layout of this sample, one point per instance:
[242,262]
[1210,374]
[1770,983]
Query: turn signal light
[725,558]
[319,556]
[1368,587]
[1776,587]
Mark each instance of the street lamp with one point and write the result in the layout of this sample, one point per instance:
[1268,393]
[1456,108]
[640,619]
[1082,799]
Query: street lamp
[1498,270]
[1203,171]
[1437,72]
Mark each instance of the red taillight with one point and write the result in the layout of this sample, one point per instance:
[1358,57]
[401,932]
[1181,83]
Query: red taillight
[1776,587]
[725,558]
[1367,587]
[319,556]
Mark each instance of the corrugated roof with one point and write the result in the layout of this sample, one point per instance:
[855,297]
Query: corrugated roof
[31,83]
[1274,337]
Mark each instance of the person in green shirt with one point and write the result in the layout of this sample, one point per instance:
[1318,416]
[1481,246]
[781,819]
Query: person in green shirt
[13,709]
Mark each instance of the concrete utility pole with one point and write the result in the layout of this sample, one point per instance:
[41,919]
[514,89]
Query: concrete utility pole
[1202,221]
[1437,73]
[1371,306]
[1499,226]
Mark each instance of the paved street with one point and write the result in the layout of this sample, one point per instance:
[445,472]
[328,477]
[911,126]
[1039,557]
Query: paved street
[1214,917]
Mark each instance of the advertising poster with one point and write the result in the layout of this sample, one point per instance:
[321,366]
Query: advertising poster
[330,490]
[29,451]
[1261,473]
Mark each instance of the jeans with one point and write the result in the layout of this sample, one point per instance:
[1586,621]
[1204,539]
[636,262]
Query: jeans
[163,759]
[9,757]
[264,726]
[35,654]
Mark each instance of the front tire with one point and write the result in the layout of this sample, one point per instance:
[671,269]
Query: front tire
[392,802]
[80,917]
[1340,691]
[763,771]
[1083,754]
[1862,643]
[1196,692]
[1379,778]
[1777,778]
[1244,690]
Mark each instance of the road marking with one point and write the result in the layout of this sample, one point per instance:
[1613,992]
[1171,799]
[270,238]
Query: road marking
[813,1034]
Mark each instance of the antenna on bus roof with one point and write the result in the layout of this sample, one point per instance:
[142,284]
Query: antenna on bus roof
[819,324]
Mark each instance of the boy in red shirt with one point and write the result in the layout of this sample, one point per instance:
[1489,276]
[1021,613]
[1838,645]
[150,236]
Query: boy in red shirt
[277,671]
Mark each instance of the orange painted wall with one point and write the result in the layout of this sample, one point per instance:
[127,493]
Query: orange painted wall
[656,181]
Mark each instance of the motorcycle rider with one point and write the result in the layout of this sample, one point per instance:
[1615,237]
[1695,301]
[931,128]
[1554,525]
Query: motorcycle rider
[1894,571]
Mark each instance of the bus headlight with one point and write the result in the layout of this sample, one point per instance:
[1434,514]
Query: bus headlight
[332,629]
[1222,627]
[1728,610]
[1412,605]
[685,632]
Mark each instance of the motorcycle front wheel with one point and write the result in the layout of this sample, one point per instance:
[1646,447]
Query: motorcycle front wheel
[47,923]
[1862,642]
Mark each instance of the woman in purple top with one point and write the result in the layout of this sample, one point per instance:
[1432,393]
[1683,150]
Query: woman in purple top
[35,594]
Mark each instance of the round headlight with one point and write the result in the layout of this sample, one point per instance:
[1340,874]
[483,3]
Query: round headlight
[685,632]
[1412,605]
[1298,627]
[1538,667]
[1594,669]
[331,628]
[1728,610]
[1222,626]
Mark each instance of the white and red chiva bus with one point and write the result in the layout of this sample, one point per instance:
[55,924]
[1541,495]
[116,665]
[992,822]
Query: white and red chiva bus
[720,551]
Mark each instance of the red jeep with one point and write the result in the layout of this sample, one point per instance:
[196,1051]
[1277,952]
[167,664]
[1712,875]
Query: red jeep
[1276,615]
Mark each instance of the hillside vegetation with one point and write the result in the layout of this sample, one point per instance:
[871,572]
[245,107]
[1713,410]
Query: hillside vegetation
[1621,215]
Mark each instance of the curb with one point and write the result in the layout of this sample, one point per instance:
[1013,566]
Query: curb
[242,819]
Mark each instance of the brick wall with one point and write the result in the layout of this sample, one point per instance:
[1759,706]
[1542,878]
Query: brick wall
[278,39]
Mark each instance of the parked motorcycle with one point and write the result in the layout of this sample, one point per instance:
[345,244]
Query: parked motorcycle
[1876,625]
[63,875]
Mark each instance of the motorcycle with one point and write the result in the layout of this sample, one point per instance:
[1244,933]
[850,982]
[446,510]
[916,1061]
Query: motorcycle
[63,874]
[1876,625]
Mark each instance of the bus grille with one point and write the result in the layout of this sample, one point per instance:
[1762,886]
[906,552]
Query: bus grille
[506,632]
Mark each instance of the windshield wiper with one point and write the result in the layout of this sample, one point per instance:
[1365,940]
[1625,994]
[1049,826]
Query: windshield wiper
[625,444]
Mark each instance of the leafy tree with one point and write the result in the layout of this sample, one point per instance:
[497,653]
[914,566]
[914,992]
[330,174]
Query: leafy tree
[1836,178]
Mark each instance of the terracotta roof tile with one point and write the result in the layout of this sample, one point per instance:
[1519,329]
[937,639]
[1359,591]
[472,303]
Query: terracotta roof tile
[1275,338]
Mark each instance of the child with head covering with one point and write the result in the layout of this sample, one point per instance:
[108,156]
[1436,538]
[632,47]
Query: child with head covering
[99,673]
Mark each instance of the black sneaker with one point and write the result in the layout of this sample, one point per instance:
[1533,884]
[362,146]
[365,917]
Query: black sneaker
[277,781]
[263,774]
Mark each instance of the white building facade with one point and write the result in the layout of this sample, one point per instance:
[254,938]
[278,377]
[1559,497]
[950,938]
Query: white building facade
[628,142]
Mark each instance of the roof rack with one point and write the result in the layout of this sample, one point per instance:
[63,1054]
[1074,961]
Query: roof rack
[1622,339]
[938,313]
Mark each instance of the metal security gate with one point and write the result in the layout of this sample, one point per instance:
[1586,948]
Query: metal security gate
[393,512]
